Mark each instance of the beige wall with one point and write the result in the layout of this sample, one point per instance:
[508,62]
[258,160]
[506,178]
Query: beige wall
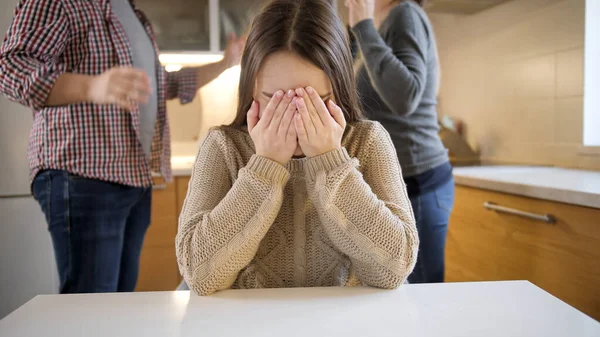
[514,74]
[214,105]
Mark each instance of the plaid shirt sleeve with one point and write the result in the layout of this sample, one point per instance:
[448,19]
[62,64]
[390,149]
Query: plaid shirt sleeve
[182,84]
[30,57]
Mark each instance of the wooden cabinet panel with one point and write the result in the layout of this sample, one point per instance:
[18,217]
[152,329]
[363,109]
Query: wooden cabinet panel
[158,269]
[164,200]
[562,258]
[182,187]
[163,223]
[158,265]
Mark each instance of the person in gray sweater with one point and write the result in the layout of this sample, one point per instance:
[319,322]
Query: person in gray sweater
[397,79]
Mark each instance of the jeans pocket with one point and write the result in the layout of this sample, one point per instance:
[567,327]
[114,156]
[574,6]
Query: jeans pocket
[445,196]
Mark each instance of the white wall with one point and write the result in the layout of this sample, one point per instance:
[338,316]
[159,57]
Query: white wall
[27,266]
[514,74]
[591,134]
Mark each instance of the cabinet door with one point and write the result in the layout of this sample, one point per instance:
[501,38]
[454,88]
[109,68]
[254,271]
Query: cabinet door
[182,187]
[179,25]
[158,264]
[236,16]
[562,258]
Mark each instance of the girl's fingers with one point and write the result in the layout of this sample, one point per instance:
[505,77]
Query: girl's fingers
[267,116]
[288,117]
[319,106]
[312,112]
[337,114]
[292,135]
[281,109]
[252,116]
[305,116]
[300,129]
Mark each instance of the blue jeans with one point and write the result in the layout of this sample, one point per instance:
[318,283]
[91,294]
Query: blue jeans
[97,230]
[432,212]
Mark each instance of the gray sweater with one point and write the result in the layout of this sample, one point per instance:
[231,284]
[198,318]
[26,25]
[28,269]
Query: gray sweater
[397,79]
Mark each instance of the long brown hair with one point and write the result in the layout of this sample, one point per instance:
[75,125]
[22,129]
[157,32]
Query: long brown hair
[312,30]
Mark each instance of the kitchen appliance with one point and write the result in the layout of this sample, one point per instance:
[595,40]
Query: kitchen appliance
[27,266]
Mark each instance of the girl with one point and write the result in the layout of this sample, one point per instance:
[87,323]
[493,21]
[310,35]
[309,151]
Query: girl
[277,198]
[398,82]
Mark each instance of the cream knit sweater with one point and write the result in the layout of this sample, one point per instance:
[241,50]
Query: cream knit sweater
[248,222]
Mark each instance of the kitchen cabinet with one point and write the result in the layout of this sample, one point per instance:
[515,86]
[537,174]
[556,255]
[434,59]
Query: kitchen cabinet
[236,16]
[179,25]
[563,258]
[158,263]
[199,25]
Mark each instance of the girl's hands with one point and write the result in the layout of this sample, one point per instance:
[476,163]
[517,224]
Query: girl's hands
[273,134]
[319,127]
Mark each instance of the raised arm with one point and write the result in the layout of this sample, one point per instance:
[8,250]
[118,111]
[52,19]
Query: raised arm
[397,66]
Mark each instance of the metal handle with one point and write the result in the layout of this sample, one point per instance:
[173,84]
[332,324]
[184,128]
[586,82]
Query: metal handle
[159,187]
[547,218]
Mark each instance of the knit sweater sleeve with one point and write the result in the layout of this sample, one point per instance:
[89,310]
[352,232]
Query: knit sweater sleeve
[223,222]
[367,217]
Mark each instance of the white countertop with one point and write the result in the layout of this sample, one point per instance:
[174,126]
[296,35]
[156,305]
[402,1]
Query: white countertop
[182,165]
[183,156]
[577,187]
[513,308]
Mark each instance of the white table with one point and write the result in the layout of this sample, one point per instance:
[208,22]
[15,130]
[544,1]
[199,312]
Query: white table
[513,309]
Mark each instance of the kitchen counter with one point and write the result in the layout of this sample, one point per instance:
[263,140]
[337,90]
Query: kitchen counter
[569,186]
[182,165]
[577,187]
[513,308]
[183,156]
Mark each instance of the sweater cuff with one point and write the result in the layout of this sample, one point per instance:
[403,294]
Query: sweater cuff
[268,169]
[327,162]
[365,31]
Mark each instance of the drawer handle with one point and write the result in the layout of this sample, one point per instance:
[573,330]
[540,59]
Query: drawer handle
[159,187]
[547,218]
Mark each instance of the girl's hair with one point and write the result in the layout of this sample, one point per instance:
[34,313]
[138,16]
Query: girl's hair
[312,30]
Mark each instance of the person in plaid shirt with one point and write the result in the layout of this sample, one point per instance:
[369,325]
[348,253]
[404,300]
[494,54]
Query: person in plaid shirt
[91,74]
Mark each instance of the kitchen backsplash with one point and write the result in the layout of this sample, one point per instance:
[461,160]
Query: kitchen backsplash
[214,105]
[514,74]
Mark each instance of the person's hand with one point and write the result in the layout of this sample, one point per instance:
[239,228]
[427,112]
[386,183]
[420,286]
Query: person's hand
[273,134]
[359,10]
[123,86]
[319,127]
[234,50]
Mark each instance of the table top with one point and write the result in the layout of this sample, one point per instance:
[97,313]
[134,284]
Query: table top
[512,308]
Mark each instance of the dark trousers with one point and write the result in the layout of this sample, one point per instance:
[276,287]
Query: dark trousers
[97,230]
[432,212]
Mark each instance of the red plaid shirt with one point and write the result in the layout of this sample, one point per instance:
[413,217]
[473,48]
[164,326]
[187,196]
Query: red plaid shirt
[50,37]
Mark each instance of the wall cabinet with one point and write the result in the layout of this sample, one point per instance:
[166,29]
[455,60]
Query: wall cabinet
[562,258]
[199,25]
[158,264]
